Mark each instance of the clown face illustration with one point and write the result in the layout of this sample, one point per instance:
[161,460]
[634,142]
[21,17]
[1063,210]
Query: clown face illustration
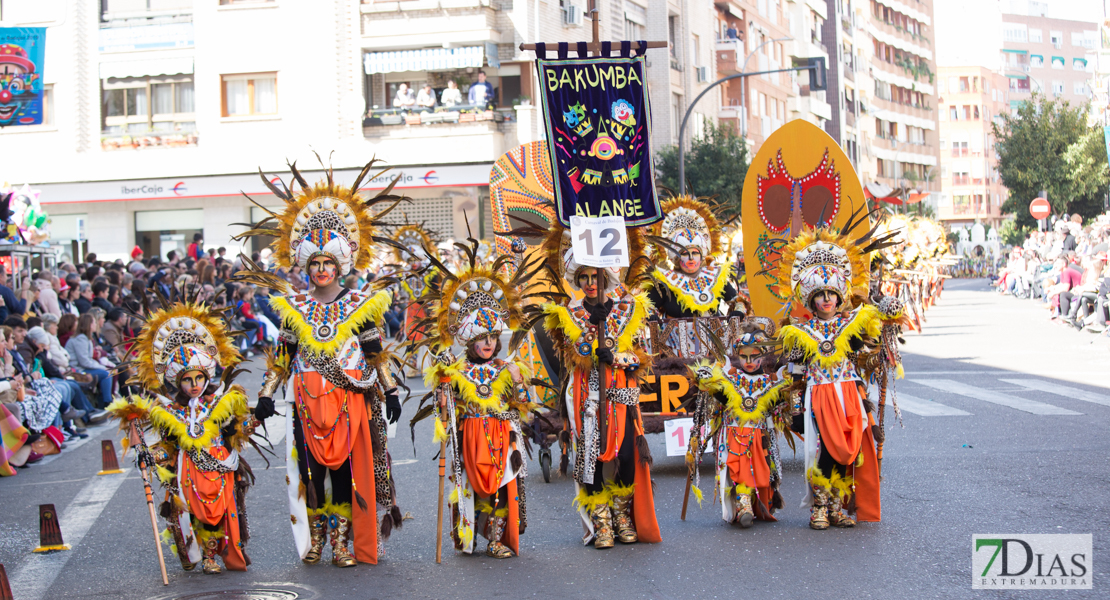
[17,79]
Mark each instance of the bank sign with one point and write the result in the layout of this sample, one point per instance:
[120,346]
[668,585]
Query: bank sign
[233,185]
[1031,562]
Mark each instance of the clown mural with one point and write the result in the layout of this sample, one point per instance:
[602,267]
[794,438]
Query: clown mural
[202,432]
[331,365]
[21,88]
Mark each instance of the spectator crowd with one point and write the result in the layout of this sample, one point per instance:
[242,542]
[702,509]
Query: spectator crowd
[1066,270]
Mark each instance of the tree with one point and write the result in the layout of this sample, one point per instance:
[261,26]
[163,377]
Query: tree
[715,167]
[1049,146]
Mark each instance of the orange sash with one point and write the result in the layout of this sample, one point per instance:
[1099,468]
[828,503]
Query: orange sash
[211,500]
[844,435]
[749,467]
[324,402]
[485,450]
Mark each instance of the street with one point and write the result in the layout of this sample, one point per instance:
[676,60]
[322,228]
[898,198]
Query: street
[1004,412]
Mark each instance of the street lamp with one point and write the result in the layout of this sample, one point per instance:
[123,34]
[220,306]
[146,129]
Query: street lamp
[743,81]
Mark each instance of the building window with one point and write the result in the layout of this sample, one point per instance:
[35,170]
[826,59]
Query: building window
[1058,87]
[954,113]
[964,84]
[140,105]
[1035,36]
[247,95]
[1080,90]
[1036,61]
[1057,39]
[1079,64]
[672,34]
[1014,32]
[1057,62]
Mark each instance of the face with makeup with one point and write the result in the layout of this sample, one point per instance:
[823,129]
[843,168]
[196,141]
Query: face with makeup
[485,346]
[689,261]
[750,360]
[589,279]
[193,383]
[322,271]
[824,304]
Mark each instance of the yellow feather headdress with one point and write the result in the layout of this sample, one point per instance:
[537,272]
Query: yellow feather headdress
[185,336]
[475,303]
[413,237]
[689,221]
[324,219]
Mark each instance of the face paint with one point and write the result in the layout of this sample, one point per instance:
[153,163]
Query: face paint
[750,360]
[690,261]
[322,271]
[588,281]
[485,347]
[193,383]
[825,304]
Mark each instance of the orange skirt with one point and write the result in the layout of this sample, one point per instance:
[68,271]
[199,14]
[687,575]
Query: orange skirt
[211,500]
[747,464]
[844,434]
[349,437]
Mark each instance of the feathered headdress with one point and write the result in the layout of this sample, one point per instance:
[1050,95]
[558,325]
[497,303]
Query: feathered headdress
[827,259]
[411,242]
[480,301]
[325,219]
[183,337]
[689,222]
[561,267]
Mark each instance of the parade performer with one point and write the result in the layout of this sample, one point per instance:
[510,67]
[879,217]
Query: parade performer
[598,339]
[696,286]
[481,402]
[331,365]
[751,404]
[827,274]
[411,248]
[202,433]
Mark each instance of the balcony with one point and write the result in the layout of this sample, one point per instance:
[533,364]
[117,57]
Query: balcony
[728,57]
[446,141]
[809,105]
[403,25]
[733,111]
[463,113]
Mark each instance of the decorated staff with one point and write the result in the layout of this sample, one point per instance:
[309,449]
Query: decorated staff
[750,405]
[330,363]
[480,402]
[202,433]
[602,396]
[826,272]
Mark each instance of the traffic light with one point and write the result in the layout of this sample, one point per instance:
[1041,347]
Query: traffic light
[818,74]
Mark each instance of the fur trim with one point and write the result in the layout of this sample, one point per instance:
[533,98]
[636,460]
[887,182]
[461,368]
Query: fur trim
[697,493]
[203,535]
[686,301]
[232,404]
[866,320]
[165,475]
[588,502]
[836,484]
[742,489]
[340,510]
[371,311]
[559,320]
[502,388]
[440,431]
[126,410]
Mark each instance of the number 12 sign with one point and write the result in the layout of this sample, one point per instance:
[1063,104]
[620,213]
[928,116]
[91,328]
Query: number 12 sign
[599,241]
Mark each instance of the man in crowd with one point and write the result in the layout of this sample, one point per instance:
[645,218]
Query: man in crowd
[481,92]
[100,296]
[426,98]
[9,303]
[196,249]
[404,98]
[84,300]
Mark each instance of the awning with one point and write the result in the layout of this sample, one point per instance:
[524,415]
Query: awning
[880,192]
[1011,50]
[429,59]
[147,68]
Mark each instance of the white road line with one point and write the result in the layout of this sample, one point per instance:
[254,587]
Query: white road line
[927,408]
[1060,390]
[38,571]
[1022,404]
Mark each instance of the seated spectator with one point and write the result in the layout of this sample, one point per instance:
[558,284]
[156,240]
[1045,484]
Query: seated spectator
[83,352]
[58,354]
[84,300]
[404,98]
[426,98]
[10,304]
[42,404]
[35,351]
[67,328]
[100,291]
[452,95]
[48,297]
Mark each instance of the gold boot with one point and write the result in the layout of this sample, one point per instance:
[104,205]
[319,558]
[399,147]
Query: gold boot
[603,526]
[340,554]
[622,520]
[211,550]
[495,529]
[819,515]
[837,518]
[744,514]
[318,526]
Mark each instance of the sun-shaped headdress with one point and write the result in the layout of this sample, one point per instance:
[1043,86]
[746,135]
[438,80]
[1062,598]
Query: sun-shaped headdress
[689,222]
[826,259]
[184,337]
[415,239]
[325,219]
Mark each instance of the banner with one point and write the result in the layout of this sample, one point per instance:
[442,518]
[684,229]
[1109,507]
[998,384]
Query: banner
[22,50]
[598,131]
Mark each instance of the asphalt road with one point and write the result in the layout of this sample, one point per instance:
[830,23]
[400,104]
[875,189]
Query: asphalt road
[991,444]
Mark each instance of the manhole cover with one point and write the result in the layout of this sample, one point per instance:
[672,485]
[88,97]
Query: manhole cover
[242,595]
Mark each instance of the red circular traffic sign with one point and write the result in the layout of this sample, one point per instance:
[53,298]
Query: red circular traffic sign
[1039,208]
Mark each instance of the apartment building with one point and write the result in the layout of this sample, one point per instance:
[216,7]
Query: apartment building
[766,35]
[971,98]
[1055,57]
[161,112]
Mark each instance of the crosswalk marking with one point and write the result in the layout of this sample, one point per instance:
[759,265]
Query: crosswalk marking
[1060,390]
[1023,404]
[927,408]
